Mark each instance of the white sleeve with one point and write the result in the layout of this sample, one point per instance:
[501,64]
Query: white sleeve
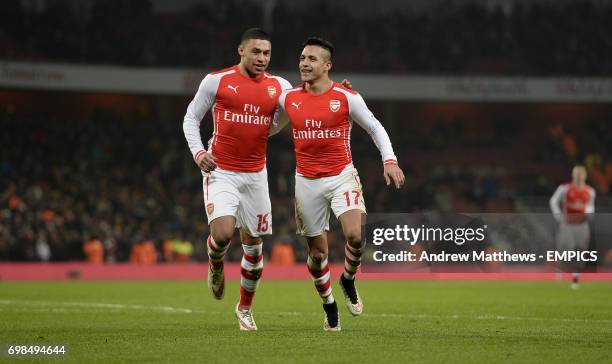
[555,202]
[199,106]
[285,85]
[590,208]
[360,113]
[281,119]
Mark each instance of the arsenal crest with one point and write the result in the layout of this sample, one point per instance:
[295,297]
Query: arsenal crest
[271,91]
[210,208]
[334,105]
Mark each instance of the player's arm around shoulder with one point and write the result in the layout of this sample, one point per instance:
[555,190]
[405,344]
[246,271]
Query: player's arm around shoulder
[281,119]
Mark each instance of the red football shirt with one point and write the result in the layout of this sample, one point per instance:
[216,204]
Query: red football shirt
[322,126]
[576,202]
[242,109]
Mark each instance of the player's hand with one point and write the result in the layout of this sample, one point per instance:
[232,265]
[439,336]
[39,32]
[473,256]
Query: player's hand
[206,162]
[346,83]
[394,173]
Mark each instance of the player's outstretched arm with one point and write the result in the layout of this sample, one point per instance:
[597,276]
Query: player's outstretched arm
[360,113]
[393,173]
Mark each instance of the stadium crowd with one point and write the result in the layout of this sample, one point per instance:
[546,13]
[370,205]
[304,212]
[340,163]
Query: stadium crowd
[125,181]
[530,38]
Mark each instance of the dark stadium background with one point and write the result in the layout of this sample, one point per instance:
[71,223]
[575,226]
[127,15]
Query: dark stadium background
[77,164]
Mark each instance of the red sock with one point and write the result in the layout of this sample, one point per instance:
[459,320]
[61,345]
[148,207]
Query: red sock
[252,266]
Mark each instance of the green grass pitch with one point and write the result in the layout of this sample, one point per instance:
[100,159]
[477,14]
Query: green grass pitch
[413,321]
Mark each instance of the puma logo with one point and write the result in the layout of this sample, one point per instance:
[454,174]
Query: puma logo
[297,106]
[233,88]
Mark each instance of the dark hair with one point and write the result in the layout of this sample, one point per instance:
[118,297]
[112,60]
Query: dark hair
[255,33]
[318,41]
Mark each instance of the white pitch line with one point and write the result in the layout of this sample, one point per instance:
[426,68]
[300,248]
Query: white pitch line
[82,306]
[486,317]
[109,306]
[519,318]
[453,317]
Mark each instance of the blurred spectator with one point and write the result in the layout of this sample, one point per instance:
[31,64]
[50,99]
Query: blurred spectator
[282,254]
[144,253]
[94,251]
[168,252]
[43,251]
[182,251]
[599,173]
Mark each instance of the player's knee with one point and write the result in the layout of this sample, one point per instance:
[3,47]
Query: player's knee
[247,239]
[317,255]
[222,236]
[353,237]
